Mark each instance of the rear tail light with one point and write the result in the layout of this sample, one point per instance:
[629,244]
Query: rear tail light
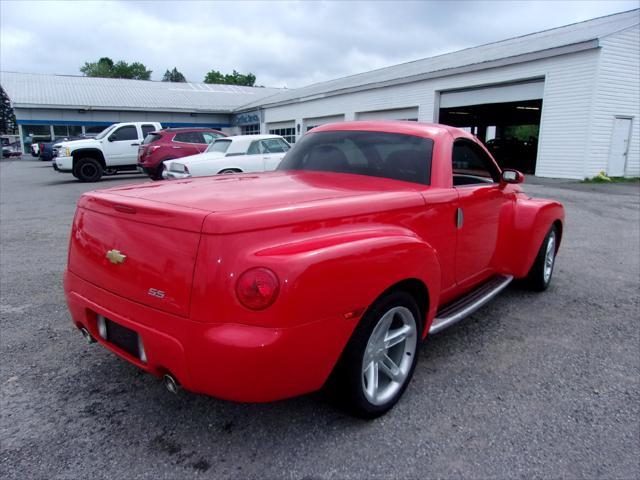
[257,288]
[41,146]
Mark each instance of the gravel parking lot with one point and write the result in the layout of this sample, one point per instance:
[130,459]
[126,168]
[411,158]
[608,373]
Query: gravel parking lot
[533,385]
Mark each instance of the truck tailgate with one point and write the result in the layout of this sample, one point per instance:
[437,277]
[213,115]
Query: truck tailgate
[141,250]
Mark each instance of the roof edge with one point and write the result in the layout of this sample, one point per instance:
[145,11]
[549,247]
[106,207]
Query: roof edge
[536,55]
[90,108]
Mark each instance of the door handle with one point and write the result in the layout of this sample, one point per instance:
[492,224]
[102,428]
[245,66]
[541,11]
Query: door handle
[459,218]
[177,148]
[135,144]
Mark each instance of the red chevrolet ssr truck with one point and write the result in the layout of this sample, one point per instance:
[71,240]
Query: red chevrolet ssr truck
[330,270]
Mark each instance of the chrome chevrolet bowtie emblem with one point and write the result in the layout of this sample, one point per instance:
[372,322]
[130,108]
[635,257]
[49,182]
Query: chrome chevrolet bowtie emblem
[115,256]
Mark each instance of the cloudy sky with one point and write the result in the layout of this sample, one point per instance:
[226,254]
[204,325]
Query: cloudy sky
[283,43]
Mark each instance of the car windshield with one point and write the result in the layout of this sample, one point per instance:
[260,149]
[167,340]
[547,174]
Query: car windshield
[378,154]
[219,146]
[105,132]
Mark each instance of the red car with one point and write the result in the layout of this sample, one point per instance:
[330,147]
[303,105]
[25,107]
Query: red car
[331,270]
[171,143]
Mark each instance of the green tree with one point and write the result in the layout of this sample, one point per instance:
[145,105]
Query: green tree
[7,116]
[235,78]
[107,69]
[173,76]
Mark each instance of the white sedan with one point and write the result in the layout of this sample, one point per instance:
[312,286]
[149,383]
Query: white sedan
[242,153]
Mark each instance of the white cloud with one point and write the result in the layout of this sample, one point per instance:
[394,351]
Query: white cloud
[284,43]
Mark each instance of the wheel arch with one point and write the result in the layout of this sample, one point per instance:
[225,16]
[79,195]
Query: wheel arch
[418,289]
[533,219]
[234,169]
[88,153]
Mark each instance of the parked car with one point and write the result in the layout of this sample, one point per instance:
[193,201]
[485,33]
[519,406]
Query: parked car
[114,150]
[11,149]
[369,237]
[7,139]
[242,153]
[46,149]
[171,143]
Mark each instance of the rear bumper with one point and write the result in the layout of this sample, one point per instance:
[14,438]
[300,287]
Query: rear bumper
[169,175]
[63,164]
[151,171]
[225,360]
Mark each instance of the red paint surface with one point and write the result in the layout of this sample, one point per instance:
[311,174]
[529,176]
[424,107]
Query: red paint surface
[335,241]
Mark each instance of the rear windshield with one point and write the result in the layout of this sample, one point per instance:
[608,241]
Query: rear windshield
[219,146]
[151,137]
[377,154]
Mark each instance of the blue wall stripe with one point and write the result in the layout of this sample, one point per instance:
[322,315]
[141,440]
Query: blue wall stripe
[88,124]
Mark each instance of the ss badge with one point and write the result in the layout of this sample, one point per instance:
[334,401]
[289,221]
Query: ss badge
[154,292]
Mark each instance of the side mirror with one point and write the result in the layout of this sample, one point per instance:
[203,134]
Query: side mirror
[512,176]
[112,138]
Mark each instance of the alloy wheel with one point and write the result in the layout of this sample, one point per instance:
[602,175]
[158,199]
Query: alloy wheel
[389,355]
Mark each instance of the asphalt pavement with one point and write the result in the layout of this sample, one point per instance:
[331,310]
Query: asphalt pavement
[532,385]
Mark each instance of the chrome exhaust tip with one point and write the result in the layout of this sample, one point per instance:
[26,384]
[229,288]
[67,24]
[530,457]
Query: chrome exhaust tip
[171,384]
[87,336]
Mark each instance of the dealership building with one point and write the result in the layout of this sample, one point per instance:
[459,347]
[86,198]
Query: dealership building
[559,103]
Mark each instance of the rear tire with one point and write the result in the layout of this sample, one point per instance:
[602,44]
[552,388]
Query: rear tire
[378,362]
[229,171]
[539,276]
[161,168]
[87,170]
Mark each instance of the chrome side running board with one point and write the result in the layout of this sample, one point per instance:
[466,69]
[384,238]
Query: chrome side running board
[472,301]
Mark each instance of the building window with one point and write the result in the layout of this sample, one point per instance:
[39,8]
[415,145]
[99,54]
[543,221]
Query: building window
[32,134]
[251,129]
[61,131]
[289,134]
[93,130]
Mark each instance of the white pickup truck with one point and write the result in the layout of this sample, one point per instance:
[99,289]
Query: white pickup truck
[113,150]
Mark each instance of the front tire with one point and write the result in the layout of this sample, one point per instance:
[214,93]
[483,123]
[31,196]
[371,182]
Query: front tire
[380,358]
[539,276]
[88,170]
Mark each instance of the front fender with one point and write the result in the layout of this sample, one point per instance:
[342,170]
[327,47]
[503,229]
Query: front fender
[532,220]
[88,152]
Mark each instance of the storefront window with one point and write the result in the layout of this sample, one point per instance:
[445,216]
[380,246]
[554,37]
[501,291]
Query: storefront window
[35,134]
[67,130]
[289,134]
[94,130]
[251,129]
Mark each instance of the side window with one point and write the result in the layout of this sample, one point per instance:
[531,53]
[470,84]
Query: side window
[187,137]
[125,133]
[272,145]
[256,148]
[197,137]
[471,165]
[146,129]
[285,146]
[210,137]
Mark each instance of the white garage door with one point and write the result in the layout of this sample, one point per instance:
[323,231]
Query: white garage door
[317,121]
[511,92]
[287,130]
[410,113]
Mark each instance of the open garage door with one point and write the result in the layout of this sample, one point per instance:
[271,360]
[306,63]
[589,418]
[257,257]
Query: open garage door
[505,117]
[410,113]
